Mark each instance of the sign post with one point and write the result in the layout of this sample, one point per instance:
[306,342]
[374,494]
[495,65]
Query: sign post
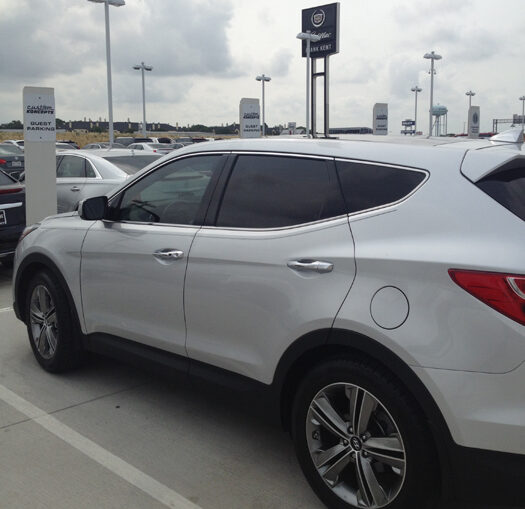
[473,122]
[322,21]
[381,118]
[249,118]
[39,153]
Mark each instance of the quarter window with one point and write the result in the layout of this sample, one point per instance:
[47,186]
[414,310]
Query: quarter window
[277,191]
[172,194]
[366,186]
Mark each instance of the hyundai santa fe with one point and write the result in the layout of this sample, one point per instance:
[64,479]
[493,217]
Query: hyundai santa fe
[371,293]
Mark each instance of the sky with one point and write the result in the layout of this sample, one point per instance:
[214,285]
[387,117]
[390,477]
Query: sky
[206,54]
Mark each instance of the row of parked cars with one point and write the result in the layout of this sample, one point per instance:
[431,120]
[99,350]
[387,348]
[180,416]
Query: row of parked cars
[80,174]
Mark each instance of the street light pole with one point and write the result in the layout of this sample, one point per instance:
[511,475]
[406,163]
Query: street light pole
[142,67]
[308,37]
[470,95]
[431,56]
[522,99]
[107,3]
[415,89]
[262,78]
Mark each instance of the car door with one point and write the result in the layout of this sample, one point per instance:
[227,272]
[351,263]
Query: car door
[133,266]
[274,263]
[71,178]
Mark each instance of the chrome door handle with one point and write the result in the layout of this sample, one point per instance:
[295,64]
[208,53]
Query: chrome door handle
[168,254]
[311,265]
[75,188]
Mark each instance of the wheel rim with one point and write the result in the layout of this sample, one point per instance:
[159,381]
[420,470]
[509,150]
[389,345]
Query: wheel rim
[355,445]
[43,320]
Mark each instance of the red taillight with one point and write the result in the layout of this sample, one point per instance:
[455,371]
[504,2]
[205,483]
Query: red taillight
[3,161]
[503,292]
[10,190]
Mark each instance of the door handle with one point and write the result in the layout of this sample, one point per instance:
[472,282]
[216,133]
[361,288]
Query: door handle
[311,265]
[168,254]
[75,188]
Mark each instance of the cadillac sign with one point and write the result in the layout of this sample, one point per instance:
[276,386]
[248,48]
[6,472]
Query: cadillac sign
[322,21]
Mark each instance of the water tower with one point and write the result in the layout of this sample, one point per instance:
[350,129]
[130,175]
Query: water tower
[440,122]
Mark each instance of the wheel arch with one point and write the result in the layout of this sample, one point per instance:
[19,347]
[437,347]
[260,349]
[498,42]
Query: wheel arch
[322,345]
[26,270]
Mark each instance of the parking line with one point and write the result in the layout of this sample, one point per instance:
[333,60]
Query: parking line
[5,310]
[118,466]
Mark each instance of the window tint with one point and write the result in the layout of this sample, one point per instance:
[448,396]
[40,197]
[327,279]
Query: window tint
[507,187]
[366,186]
[5,180]
[172,194]
[90,172]
[71,167]
[276,191]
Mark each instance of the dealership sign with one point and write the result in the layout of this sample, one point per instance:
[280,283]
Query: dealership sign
[324,22]
[381,118]
[249,118]
[473,122]
[39,114]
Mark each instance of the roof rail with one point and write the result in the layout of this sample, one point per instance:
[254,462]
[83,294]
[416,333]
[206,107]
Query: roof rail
[514,135]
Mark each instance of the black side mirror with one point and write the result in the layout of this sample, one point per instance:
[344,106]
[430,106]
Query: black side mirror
[93,209]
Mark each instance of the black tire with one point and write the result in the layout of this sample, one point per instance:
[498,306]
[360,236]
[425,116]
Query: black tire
[412,486]
[7,261]
[67,352]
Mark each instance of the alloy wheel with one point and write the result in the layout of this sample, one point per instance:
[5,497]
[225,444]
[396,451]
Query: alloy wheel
[43,320]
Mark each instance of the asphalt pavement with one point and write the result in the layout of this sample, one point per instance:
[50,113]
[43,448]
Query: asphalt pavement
[112,436]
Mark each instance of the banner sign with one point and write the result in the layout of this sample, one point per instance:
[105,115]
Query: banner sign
[408,122]
[322,21]
[380,120]
[249,118]
[39,114]
[473,122]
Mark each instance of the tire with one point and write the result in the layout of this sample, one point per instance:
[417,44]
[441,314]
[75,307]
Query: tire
[54,335]
[7,262]
[351,471]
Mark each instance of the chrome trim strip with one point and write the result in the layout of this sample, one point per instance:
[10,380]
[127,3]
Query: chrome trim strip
[285,154]
[5,206]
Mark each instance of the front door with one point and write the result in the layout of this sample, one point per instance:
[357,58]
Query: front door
[133,267]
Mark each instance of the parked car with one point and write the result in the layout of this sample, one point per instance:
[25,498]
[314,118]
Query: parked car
[64,146]
[128,140]
[11,159]
[129,161]
[18,143]
[159,148]
[91,146]
[371,293]
[161,140]
[74,144]
[12,216]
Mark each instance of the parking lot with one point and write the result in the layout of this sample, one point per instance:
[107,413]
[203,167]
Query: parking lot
[110,436]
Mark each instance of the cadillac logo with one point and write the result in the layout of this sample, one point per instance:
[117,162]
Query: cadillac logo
[475,118]
[318,18]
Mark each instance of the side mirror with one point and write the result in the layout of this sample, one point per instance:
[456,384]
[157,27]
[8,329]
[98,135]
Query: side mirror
[93,209]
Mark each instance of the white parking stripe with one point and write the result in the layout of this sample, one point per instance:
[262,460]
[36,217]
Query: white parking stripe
[102,456]
[5,310]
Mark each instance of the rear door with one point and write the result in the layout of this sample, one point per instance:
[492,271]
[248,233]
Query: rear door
[71,178]
[274,263]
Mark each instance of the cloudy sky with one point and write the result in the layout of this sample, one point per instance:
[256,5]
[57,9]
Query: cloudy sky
[206,54]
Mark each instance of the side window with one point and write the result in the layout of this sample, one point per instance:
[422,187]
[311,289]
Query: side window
[71,167]
[90,172]
[172,194]
[366,186]
[278,191]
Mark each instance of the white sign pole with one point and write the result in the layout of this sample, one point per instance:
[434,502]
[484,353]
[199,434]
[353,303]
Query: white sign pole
[40,153]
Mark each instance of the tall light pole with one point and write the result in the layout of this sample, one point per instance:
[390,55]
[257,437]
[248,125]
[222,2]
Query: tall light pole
[522,99]
[470,96]
[415,89]
[142,67]
[309,38]
[431,56]
[262,78]
[107,3]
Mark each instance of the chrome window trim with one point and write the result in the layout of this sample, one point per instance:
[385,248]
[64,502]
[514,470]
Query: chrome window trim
[352,215]
[285,154]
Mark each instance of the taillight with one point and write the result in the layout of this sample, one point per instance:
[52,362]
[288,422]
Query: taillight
[3,161]
[10,190]
[503,292]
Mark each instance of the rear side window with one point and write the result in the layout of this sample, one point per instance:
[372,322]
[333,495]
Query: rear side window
[277,191]
[71,167]
[5,180]
[366,186]
[507,187]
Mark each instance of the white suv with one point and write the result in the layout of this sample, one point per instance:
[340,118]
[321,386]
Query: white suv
[371,292]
